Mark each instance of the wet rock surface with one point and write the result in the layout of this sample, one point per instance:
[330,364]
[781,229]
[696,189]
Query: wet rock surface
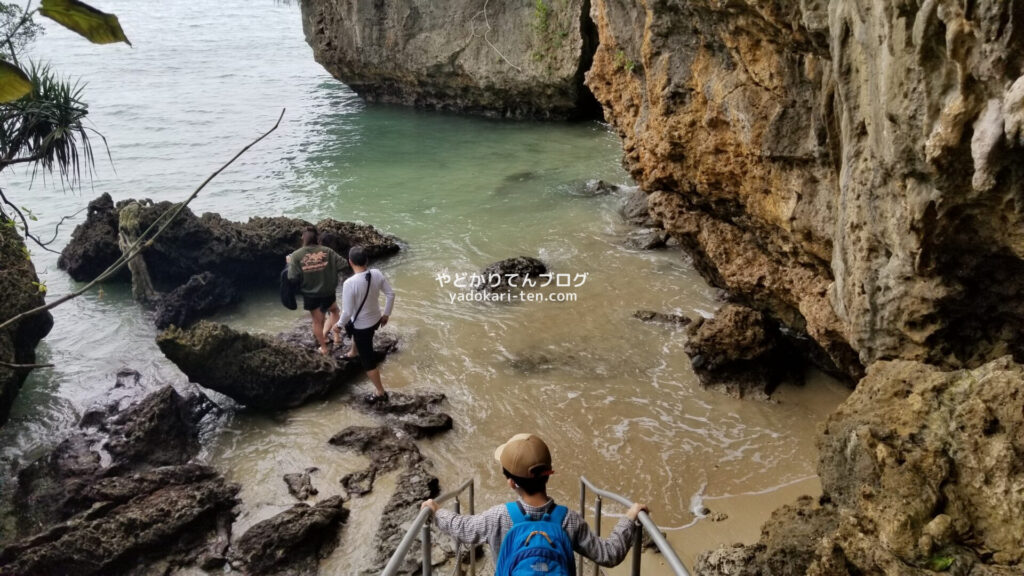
[201,296]
[293,542]
[121,494]
[646,239]
[504,275]
[262,372]
[240,252]
[300,484]
[634,209]
[740,352]
[921,466]
[20,292]
[662,317]
[391,448]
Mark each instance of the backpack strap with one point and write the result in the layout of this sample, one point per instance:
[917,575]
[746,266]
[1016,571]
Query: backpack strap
[558,515]
[515,513]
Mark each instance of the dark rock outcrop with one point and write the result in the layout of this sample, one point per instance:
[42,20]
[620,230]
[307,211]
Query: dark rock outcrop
[20,292]
[121,495]
[201,296]
[740,352]
[261,372]
[652,316]
[93,246]
[500,59]
[418,415]
[504,275]
[240,252]
[923,469]
[293,542]
[300,484]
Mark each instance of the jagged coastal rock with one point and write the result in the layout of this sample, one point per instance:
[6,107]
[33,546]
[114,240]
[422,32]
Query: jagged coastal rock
[292,542]
[262,372]
[20,292]
[238,251]
[507,274]
[201,296]
[920,468]
[853,176]
[121,494]
[508,59]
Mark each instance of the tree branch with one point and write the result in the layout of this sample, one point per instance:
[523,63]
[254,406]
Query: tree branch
[144,241]
[24,222]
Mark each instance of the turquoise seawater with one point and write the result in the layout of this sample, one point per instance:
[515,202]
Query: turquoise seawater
[616,398]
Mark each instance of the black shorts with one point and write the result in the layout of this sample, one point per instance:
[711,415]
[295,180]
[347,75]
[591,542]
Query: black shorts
[324,303]
[363,339]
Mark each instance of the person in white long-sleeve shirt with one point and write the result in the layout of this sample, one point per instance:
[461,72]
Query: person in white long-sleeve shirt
[360,303]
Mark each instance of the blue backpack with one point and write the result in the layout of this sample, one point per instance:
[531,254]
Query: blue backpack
[536,547]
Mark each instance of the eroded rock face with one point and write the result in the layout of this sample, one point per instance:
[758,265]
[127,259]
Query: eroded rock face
[258,371]
[923,469]
[238,251]
[292,542]
[17,294]
[504,59]
[121,496]
[740,352]
[857,177]
[201,296]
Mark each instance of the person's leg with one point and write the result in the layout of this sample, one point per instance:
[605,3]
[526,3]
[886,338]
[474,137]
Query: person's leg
[368,358]
[331,325]
[318,330]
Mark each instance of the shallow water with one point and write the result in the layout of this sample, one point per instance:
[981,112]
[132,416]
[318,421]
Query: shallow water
[615,398]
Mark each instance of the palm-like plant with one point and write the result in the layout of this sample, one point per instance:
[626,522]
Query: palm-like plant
[47,127]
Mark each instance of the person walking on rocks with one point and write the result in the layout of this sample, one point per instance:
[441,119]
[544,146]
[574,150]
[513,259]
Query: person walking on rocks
[361,314]
[315,268]
[533,532]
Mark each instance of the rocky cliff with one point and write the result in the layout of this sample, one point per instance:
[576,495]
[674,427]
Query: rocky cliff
[20,292]
[522,59]
[852,167]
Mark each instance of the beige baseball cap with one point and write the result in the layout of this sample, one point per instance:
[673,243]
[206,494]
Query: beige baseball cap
[525,456]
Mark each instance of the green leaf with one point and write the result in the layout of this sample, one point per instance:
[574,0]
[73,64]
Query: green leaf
[940,563]
[96,26]
[13,82]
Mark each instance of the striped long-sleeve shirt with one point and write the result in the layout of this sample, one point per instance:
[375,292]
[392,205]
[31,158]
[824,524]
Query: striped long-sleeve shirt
[492,525]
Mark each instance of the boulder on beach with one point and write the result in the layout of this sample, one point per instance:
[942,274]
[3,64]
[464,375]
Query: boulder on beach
[504,275]
[238,251]
[300,484]
[121,493]
[262,372]
[739,352]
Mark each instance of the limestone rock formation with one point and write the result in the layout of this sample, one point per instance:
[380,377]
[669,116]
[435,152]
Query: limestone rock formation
[509,59]
[300,484]
[240,252]
[740,352]
[261,372]
[852,168]
[923,469]
[121,494]
[19,293]
[201,296]
[292,542]
[661,317]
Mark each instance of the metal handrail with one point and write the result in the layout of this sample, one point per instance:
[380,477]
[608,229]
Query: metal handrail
[421,524]
[645,520]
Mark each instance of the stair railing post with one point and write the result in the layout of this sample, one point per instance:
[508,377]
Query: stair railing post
[458,553]
[427,566]
[583,516]
[472,510]
[638,542]
[597,526]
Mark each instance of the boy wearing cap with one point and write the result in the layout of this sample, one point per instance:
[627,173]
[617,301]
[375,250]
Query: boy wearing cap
[526,462]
